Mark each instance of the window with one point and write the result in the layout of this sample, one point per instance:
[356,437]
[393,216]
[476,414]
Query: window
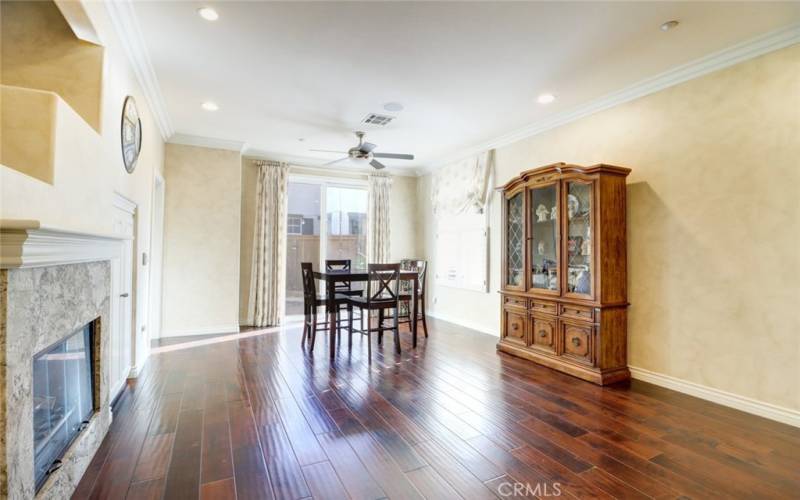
[295,224]
[326,220]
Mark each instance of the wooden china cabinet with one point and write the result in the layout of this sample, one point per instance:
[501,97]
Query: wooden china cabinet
[564,270]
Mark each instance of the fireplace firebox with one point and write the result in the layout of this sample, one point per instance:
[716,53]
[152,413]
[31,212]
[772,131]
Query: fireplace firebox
[63,398]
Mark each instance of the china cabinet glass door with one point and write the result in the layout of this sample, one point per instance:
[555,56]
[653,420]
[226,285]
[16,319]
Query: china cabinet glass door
[544,238]
[579,247]
[515,240]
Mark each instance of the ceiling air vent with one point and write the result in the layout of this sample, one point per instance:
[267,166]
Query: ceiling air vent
[377,120]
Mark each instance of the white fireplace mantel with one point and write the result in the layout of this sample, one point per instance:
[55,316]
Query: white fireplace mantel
[26,243]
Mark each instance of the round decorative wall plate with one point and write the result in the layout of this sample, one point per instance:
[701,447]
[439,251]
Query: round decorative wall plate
[131,134]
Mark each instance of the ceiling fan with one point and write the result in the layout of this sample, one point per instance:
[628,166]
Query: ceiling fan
[363,153]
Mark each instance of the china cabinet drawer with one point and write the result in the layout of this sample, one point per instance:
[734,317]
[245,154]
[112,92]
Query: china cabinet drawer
[515,327]
[543,333]
[544,307]
[577,312]
[577,342]
[520,302]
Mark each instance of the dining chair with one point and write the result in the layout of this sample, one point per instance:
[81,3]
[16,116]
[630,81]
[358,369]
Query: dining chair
[383,292]
[343,287]
[406,289]
[312,301]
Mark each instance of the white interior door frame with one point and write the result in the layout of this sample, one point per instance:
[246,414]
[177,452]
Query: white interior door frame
[156,256]
[122,301]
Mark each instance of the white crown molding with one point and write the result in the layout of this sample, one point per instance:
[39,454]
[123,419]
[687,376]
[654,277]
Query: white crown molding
[127,28]
[734,54]
[748,405]
[207,142]
[26,244]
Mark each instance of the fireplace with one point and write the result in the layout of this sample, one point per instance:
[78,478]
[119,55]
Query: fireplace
[63,398]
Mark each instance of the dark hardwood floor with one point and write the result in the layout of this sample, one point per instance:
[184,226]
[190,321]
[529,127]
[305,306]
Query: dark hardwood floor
[260,418]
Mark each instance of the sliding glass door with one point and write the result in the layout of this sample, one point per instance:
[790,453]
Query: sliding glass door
[326,219]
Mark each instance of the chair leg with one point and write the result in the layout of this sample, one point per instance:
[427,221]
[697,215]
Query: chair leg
[424,316]
[313,328]
[369,344]
[396,331]
[305,325]
[349,325]
[380,326]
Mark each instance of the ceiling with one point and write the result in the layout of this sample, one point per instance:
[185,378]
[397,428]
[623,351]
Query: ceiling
[290,76]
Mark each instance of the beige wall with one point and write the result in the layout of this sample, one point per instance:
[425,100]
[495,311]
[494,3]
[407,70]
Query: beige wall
[201,240]
[403,239]
[714,225]
[88,168]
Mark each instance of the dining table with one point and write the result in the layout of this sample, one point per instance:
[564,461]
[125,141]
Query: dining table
[331,278]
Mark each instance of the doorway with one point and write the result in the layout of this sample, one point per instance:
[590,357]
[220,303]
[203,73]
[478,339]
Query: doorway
[121,342]
[326,219]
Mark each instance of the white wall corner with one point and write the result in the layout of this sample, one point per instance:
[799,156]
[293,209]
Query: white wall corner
[742,403]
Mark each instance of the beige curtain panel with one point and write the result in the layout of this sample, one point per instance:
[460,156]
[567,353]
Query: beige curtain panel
[269,244]
[380,188]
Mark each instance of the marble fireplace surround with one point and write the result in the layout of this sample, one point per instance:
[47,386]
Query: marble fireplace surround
[52,282]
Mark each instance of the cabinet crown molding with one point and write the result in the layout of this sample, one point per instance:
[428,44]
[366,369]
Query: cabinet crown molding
[561,168]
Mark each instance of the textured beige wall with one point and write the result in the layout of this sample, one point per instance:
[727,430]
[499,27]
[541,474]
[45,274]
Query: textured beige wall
[201,240]
[39,50]
[714,225]
[403,238]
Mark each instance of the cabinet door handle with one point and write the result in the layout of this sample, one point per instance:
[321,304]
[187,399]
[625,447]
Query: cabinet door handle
[542,333]
[123,295]
[576,341]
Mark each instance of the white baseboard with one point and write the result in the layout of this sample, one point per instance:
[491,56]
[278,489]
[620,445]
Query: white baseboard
[745,404]
[465,324]
[210,330]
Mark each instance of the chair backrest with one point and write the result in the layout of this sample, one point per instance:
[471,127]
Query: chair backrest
[383,282]
[421,267]
[339,265]
[309,283]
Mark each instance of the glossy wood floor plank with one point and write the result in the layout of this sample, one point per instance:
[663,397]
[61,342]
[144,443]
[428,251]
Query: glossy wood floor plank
[260,417]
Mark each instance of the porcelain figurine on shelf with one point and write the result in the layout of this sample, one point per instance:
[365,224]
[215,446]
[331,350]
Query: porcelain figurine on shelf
[540,248]
[553,213]
[541,213]
[573,206]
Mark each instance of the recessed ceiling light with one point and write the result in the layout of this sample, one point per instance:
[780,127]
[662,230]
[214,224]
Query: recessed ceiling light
[210,106]
[393,106]
[208,14]
[545,98]
[669,25]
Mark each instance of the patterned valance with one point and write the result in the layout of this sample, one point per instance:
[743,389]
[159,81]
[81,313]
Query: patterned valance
[462,186]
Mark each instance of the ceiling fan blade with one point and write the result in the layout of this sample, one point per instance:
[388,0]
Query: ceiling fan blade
[395,156]
[336,161]
[367,147]
[328,151]
[377,165]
